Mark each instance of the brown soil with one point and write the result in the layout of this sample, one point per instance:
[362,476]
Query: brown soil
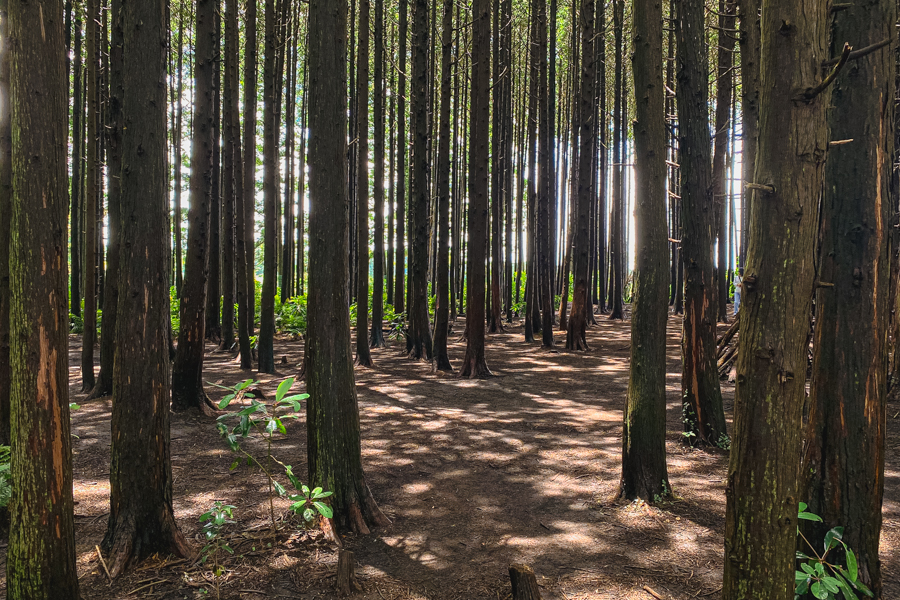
[474,474]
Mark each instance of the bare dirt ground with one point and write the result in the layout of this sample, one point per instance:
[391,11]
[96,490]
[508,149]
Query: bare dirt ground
[474,474]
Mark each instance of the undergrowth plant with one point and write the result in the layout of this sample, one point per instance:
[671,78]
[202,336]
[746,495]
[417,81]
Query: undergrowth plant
[214,521]
[823,579]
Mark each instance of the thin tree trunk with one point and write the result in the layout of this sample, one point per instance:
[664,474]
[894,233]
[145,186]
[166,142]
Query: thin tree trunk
[41,553]
[546,186]
[92,194]
[77,199]
[400,245]
[231,175]
[251,90]
[179,157]
[763,474]
[750,42]
[724,92]
[376,336]
[616,249]
[363,356]
[214,280]
[392,172]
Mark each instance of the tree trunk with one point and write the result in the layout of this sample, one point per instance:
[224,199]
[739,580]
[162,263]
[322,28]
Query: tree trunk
[91,196]
[363,356]
[843,462]
[251,90]
[702,412]
[524,583]
[750,42]
[418,340]
[244,194]
[644,473]
[495,315]
[332,412]
[141,519]
[474,365]
[214,281]
[77,170]
[720,184]
[400,245]
[617,275]
[5,221]
[577,323]
[187,372]
[376,337]
[442,275]
[392,170]
[763,474]
[231,174]
[41,554]
[546,186]
[179,157]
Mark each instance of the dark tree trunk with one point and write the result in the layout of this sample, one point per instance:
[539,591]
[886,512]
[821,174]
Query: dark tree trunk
[702,411]
[179,157]
[418,340]
[5,223]
[532,325]
[644,473]
[41,553]
[92,194]
[332,412]
[231,175]
[763,474]
[251,85]
[546,186]
[442,274]
[141,518]
[77,198]
[616,249]
[288,288]
[474,365]
[271,97]
[843,462]
[577,322]
[506,147]
[113,130]
[392,171]
[187,372]
[214,281]
[720,184]
[750,41]
[376,337]
[500,78]
[400,245]
[241,259]
[363,356]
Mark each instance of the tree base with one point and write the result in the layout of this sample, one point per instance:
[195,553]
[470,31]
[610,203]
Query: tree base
[126,543]
[442,363]
[376,338]
[475,368]
[364,360]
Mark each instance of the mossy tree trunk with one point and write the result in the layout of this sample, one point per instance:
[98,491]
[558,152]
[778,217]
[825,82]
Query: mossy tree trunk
[843,462]
[41,554]
[763,474]
[141,518]
[332,412]
[5,224]
[644,473]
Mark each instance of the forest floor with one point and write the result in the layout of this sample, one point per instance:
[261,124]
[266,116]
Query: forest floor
[475,475]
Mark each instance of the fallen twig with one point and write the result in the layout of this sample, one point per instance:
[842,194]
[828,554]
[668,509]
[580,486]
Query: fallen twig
[103,562]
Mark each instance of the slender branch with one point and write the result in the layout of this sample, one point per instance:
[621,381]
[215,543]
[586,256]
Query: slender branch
[856,54]
[809,94]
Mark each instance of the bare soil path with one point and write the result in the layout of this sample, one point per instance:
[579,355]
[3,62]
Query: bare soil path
[474,474]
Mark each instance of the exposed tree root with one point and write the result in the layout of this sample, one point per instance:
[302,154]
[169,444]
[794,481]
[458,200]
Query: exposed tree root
[126,543]
[475,368]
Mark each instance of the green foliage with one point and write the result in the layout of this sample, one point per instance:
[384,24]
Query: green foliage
[5,477]
[290,316]
[76,322]
[214,521]
[174,310]
[307,503]
[825,580]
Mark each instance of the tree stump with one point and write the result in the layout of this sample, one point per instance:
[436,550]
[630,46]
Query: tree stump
[524,583]
[346,573]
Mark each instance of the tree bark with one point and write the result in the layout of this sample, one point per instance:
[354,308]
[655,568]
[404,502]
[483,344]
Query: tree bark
[77,198]
[244,193]
[616,250]
[400,245]
[750,42]
[251,90]
[644,473]
[363,356]
[332,412]
[5,223]
[843,461]
[546,186]
[141,519]
[91,196]
[720,184]
[187,372]
[231,175]
[41,554]
[702,411]
[213,329]
[376,337]
[179,157]
[761,517]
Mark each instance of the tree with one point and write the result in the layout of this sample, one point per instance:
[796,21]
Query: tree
[399,245]
[577,323]
[187,373]
[761,517]
[843,462]
[546,187]
[141,517]
[91,196]
[231,176]
[418,338]
[749,39]
[41,553]
[720,185]
[5,219]
[332,411]
[376,338]
[251,82]
[363,356]
[616,238]
[442,274]
[644,473]
[702,411]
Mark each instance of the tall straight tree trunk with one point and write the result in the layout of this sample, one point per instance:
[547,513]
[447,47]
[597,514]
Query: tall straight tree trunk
[77,197]
[231,171]
[442,275]
[843,462]
[546,185]
[113,130]
[91,196]
[616,249]
[474,365]
[720,184]
[301,187]
[532,325]
[500,78]
[187,372]
[5,222]
[644,473]
[599,286]
[418,340]
[763,473]
[750,42]
[271,96]
[507,149]
[41,553]
[141,518]
[702,412]
[577,322]
[400,244]
[287,289]
[392,171]
[363,356]
[376,337]
[251,89]
[179,158]
[214,281]
[332,412]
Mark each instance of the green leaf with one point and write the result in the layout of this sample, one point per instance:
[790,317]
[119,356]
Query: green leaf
[831,584]
[807,568]
[323,495]
[324,509]
[228,548]
[802,507]
[832,537]
[845,588]
[808,516]
[74,406]
[315,493]
[205,516]
[249,410]
[278,488]
[309,514]
[234,466]
[852,566]
[860,586]
[271,426]
[283,388]
[819,591]
[280,426]
[224,402]
[799,576]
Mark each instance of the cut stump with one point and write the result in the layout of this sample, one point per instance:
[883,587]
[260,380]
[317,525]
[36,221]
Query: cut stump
[346,573]
[524,583]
